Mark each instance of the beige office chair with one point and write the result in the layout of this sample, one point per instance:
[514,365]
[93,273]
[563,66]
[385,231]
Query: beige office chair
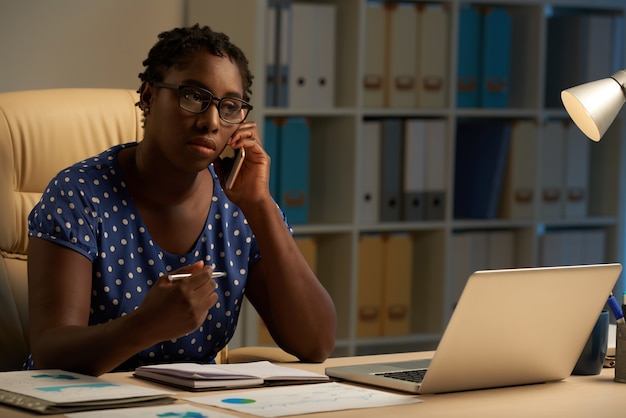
[42,132]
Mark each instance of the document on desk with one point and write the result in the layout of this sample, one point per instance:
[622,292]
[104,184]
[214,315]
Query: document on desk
[304,399]
[169,411]
[57,391]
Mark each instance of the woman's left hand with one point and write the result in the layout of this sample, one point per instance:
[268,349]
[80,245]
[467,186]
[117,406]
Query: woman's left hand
[252,183]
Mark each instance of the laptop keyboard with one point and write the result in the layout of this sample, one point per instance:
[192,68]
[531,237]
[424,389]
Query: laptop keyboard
[415,376]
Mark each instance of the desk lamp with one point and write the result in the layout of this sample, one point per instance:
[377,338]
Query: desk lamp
[593,106]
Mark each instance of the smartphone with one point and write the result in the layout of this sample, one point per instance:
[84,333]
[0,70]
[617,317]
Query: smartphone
[232,160]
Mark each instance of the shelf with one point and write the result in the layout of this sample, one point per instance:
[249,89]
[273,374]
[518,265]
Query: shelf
[338,150]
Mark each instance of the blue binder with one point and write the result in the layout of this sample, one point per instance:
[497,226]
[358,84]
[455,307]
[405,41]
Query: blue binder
[480,162]
[468,58]
[496,58]
[270,143]
[294,170]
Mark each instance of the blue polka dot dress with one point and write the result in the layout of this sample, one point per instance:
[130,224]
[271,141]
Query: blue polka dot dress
[87,208]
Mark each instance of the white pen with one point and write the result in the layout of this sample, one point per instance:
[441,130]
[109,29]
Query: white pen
[176,277]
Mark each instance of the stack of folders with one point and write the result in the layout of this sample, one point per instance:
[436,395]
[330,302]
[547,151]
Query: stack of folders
[580,47]
[59,392]
[300,58]
[482,150]
[402,170]
[406,59]
[484,52]
[385,284]
[287,141]
[193,376]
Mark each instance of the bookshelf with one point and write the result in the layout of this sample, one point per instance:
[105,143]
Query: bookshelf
[337,156]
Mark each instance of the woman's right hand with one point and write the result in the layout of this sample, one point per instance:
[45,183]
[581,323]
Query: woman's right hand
[172,309]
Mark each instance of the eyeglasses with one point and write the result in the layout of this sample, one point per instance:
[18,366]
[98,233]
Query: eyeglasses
[197,100]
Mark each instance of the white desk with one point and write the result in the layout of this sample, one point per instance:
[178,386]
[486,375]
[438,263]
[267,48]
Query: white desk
[577,396]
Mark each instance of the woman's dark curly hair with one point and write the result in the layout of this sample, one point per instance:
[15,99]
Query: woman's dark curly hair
[177,47]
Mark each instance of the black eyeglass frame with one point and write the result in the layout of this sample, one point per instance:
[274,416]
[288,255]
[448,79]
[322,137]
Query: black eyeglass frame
[245,106]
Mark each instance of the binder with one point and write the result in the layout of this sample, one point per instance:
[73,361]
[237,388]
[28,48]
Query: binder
[436,167]
[551,165]
[311,81]
[374,63]
[370,281]
[580,48]
[600,60]
[284,32]
[402,55]
[294,170]
[271,55]
[468,57]
[433,40]
[396,303]
[480,160]
[414,199]
[271,146]
[301,57]
[566,248]
[391,170]
[496,57]
[369,169]
[323,82]
[565,61]
[518,190]
[576,193]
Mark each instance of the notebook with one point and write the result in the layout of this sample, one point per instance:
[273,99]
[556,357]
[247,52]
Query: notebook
[510,327]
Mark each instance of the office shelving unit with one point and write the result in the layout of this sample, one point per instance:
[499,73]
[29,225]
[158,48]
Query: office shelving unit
[335,158]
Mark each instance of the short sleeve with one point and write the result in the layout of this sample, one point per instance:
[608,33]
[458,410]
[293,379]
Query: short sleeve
[65,216]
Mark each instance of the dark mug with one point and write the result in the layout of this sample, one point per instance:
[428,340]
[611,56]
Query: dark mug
[592,358]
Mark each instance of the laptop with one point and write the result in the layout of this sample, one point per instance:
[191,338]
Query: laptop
[510,327]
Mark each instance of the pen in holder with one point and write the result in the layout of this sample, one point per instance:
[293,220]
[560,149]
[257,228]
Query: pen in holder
[620,353]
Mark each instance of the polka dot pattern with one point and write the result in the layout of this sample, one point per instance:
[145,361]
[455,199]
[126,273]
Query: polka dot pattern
[87,208]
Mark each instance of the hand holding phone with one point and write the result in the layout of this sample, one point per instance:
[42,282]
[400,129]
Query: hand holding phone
[232,165]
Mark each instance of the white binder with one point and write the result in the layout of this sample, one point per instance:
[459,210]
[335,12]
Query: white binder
[323,85]
[576,188]
[432,61]
[414,199]
[551,160]
[518,192]
[301,57]
[283,54]
[271,55]
[435,179]
[369,169]
[312,55]
[374,65]
[403,56]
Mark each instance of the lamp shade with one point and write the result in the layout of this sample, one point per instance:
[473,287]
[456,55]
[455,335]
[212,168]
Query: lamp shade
[593,106]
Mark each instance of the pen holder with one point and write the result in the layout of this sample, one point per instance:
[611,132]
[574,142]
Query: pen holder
[620,353]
